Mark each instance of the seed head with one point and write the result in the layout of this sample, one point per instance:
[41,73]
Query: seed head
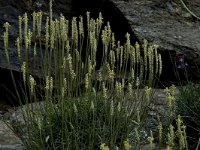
[32,84]
[23,69]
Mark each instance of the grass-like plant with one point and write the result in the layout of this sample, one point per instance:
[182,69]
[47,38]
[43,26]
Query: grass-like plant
[189,10]
[188,106]
[87,101]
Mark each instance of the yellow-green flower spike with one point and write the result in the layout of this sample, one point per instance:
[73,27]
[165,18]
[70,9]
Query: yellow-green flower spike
[20,29]
[160,64]
[81,28]
[23,69]
[151,139]
[32,84]
[18,48]
[103,146]
[5,37]
[127,146]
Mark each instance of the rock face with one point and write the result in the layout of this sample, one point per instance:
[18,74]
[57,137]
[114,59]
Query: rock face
[9,12]
[8,140]
[159,21]
[11,9]
[168,25]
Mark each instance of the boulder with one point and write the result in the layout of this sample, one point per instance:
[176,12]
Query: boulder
[170,26]
[8,140]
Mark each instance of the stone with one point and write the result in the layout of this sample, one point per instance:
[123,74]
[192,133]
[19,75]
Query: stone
[170,29]
[68,8]
[8,140]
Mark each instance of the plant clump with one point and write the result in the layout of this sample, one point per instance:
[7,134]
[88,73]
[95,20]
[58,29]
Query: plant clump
[188,106]
[84,106]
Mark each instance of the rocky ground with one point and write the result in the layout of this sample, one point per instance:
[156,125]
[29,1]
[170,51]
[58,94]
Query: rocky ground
[8,140]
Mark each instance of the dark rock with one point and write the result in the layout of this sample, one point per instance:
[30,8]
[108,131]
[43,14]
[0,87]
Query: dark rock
[10,10]
[8,140]
[164,24]
[142,19]
[8,13]
[119,24]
